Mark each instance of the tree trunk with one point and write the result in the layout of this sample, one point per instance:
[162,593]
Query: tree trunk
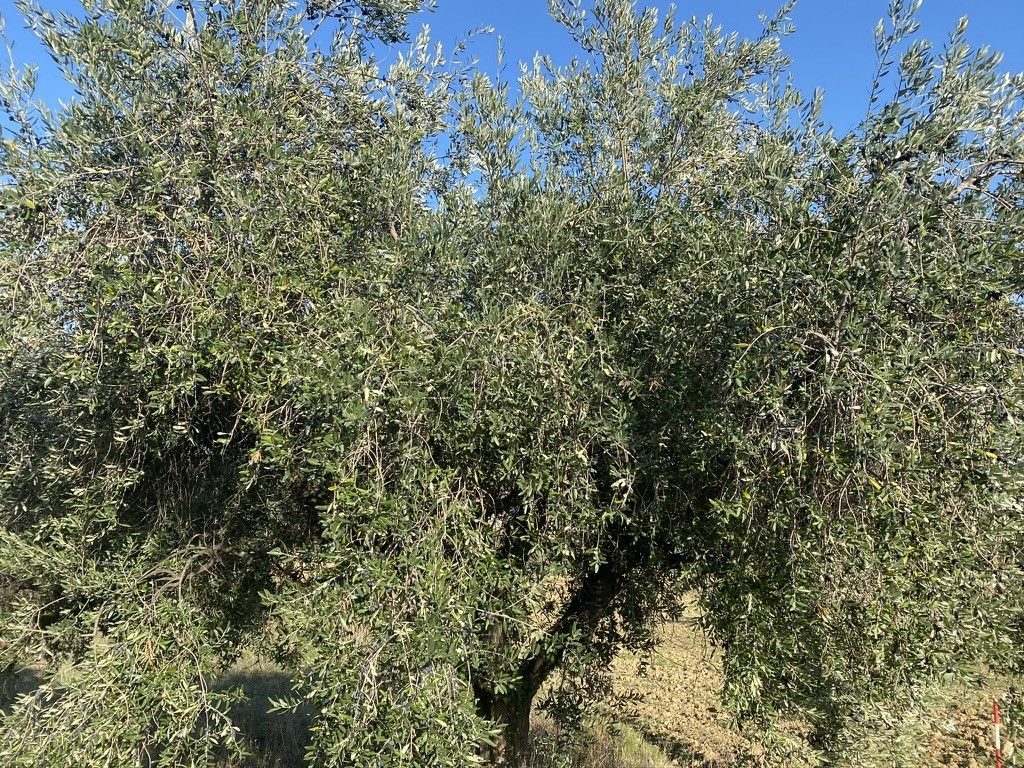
[511,713]
[510,710]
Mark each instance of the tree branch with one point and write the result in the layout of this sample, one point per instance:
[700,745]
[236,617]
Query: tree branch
[584,610]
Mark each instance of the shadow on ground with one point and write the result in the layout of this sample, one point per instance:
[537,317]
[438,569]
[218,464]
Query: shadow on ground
[680,751]
[16,682]
[274,739]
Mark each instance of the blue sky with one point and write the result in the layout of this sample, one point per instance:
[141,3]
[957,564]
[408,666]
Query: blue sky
[832,47]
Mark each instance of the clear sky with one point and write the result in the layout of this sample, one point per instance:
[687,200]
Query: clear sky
[832,47]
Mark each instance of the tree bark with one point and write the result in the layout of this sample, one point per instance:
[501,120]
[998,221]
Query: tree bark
[511,712]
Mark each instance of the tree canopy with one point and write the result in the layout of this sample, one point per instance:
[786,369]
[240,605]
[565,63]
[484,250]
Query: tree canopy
[439,388]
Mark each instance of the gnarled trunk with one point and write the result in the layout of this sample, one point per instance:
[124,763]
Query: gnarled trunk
[510,712]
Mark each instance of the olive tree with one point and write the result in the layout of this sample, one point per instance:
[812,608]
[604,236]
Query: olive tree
[440,389]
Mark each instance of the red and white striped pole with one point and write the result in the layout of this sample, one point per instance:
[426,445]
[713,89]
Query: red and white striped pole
[999,736]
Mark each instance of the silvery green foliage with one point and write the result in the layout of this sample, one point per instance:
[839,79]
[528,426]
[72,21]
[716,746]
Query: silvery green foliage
[810,342]
[201,295]
[429,387]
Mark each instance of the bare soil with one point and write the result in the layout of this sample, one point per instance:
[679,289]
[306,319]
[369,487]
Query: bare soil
[678,709]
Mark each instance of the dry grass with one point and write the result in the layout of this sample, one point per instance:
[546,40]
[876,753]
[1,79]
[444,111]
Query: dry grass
[280,739]
[600,746]
[273,739]
[678,705]
[620,746]
[676,723]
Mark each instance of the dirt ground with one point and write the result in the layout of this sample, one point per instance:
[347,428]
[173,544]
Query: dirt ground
[677,719]
[678,709]
[679,712]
